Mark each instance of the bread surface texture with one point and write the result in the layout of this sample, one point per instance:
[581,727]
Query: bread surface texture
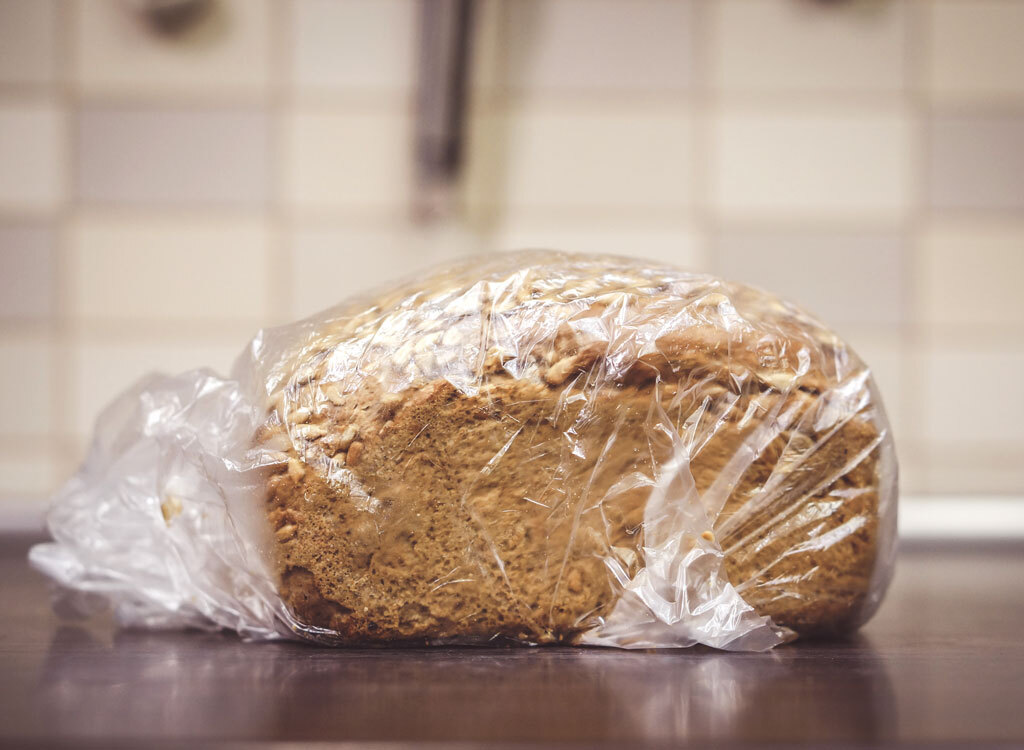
[512,448]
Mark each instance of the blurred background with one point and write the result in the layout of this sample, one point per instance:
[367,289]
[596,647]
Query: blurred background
[175,175]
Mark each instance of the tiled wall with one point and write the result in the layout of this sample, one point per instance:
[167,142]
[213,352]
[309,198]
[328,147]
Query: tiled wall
[160,199]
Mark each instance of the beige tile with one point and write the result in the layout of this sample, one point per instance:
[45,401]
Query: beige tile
[28,44]
[26,386]
[544,159]
[102,370]
[31,157]
[800,166]
[971,275]
[355,161]
[670,243]
[142,156]
[976,162]
[169,269]
[975,50]
[332,264]
[844,278]
[597,45]
[117,53]
[27,271]
[913,471]
[973,395]
[883,351]
[785,46]
[29,474]
[963,470]
[361,45]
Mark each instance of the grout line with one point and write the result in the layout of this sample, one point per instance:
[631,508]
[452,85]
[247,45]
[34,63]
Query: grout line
[989,336]
[489,113]
[64,406]
[28,214]
[281,268]
[702,134]
[29,94]
[26,445]
[38,328]
[912,384]
[176,330]
[385,215]
[170,99]
[1010,106]
[166,210]
[824,101]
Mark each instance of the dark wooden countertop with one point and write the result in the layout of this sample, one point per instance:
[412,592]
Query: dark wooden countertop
[943,662]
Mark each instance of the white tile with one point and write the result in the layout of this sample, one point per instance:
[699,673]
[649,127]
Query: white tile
[913,471]
[28,45]
[973,395]
[671,244]
[31,157]
[169,268]
[976,161]
[786,46]
[26,386]
[27,271]
[28,474]
[843,166]
[489,68]
[332,264]
[883,352]
[597,45]
[355,161]
[354,45]
[971,275]
[975,50]
[117,53]
[142,155]
[103,370]
[541,159]
[970,471]
[844,278]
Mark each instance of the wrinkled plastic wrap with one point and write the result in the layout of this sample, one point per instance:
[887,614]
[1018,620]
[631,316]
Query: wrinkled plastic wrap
[535,447]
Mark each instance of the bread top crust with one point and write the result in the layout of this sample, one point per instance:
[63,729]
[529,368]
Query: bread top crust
[546,317]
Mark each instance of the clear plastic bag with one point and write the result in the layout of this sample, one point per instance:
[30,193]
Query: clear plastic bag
[536,447]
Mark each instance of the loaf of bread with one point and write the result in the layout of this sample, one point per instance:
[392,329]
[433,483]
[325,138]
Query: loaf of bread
[559,448]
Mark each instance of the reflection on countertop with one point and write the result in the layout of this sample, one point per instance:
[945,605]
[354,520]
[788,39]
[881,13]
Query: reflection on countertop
[941,661]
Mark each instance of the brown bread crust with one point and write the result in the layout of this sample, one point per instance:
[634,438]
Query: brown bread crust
[415,509]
